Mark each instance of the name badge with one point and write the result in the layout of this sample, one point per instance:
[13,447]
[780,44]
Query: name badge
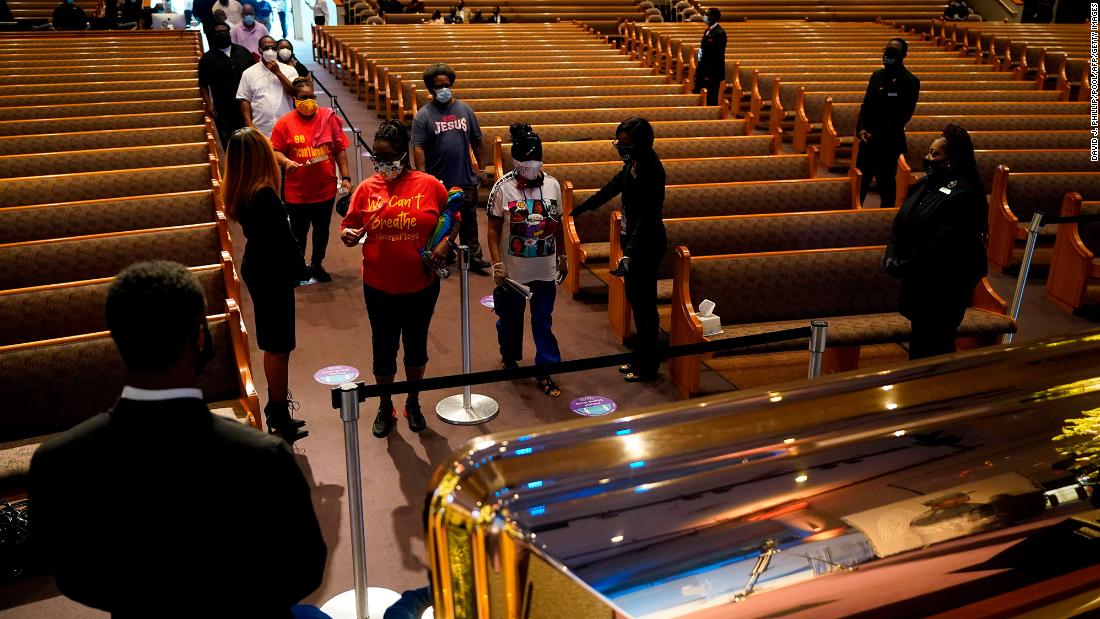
[891,94]
[945,191]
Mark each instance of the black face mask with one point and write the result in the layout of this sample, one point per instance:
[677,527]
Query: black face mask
[891,58]
[626,153]
[220,40]
[935,170]
[204,355]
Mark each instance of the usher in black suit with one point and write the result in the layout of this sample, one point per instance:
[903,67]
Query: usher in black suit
[710,70]
[162,509]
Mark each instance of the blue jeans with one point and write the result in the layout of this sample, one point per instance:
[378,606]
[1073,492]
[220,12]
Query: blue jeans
[509,306]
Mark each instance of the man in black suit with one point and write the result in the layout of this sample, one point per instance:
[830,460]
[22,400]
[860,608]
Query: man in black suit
[710,60]
[220,71]
[888,104]
[158,507]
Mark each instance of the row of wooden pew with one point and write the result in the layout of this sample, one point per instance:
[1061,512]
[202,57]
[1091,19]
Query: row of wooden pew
[99,169]
[723,175]
[824,10]
[603,15]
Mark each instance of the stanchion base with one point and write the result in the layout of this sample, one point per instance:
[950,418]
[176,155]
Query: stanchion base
[482,409]
[378,600]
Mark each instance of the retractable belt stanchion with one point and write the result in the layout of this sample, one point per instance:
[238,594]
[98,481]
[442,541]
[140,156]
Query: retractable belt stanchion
[358,156]
[1033,229]
[468,408]
[362,602]
[819,332]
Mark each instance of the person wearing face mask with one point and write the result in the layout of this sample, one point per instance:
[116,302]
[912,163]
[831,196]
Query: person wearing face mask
[248,33]
[710,67]
[161,442]
[956,10]
[454,18]
[220,71]
[285,51]
[642,185]
[271,268]
[888,104]
[394,213]
[232,10]
[937,244]
[310,144]
[446,137]
[69,16]
[266,93]
[528,251]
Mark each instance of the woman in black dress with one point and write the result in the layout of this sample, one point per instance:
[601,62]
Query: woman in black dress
[937,245]
[642,185]
[272,265]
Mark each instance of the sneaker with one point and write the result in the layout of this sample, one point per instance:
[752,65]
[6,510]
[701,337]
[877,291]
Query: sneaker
[384,421]
[320,274]
[417,423]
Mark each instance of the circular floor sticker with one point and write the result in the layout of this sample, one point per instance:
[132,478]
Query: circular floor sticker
[487,301]
[336,375]
[593,406]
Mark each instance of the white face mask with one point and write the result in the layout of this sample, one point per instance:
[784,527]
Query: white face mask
[269,55]
[527,169]
[285,54]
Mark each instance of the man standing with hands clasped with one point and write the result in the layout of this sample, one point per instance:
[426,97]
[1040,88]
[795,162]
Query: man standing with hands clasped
[445,138]
[266,90]
[887,107]
[710,65]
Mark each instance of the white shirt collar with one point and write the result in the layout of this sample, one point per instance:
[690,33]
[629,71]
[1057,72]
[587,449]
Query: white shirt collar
[227,51]
[157,395]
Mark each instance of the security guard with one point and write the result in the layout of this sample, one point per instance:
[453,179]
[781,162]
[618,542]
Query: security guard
[887,106]
[710,67]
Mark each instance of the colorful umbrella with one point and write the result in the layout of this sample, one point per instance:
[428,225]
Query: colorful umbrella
[447,220]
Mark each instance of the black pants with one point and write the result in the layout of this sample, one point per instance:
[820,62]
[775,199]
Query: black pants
[318,215]
[282,23]
[711,84]
[641,292]
[319,19]
[467,234]
[883,165]
[228,120]
[396,319]
[932,337]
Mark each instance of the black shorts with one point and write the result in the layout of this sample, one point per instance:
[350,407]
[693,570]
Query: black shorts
[273,305]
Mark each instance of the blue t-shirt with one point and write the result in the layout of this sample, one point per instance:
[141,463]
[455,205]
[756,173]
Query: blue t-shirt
[445,134]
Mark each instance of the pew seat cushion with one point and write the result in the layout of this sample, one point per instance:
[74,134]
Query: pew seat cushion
[596,252]
[885,328]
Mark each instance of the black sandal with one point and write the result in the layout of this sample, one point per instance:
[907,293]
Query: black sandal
[548,386]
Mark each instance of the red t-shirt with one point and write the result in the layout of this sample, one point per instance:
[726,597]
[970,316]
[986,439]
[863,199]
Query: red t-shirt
[294,136]
[400,217]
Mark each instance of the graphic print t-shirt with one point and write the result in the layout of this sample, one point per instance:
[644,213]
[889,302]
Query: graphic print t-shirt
[445,134]
[293,136]
[400,217]
[532,217]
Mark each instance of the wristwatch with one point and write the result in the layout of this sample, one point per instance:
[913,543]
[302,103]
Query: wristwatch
[346,178]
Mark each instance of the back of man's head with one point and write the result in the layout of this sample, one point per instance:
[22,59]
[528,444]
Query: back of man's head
[155,312]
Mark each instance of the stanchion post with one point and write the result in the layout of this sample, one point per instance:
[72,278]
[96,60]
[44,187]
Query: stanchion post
[819,330]
[469,408]
[358,134]
[349,413]
[1033,229]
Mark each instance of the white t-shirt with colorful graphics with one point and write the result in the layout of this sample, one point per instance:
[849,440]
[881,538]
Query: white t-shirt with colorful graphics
[532,217]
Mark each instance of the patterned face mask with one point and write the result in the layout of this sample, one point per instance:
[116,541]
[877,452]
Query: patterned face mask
[389,170]
[306,107]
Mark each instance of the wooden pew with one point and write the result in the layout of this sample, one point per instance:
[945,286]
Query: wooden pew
[86,140]
[601,131]
[1021,160]
[537,118]
[666,148]
[99,109]
[98,185]
[81,218]
[52,385]
[586,237]
[109,96]
[101,123]
[593,175]
[746,234]
[1016,196]
[101,159]
[54,261]
[761,292]
[1074,263]
[73,308]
